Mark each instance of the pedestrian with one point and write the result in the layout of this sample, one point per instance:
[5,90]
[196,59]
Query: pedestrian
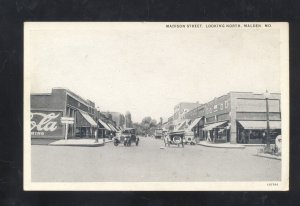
[215,135]
[208,136]
[243,137]
[264,138]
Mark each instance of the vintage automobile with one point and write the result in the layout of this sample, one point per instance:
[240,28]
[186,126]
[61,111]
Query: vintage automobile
[127,137]
[174,138]
[189,137]
[158,133]
[180,138]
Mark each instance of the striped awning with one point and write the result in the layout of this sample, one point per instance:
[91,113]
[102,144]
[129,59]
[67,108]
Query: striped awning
[181,125]
[194,123]
[104,124]
[112,127]
[214,125]
[88,118]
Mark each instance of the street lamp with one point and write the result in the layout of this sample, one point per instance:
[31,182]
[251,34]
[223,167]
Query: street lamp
[267,96]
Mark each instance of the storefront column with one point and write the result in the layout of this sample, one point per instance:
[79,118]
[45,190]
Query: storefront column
[233,129]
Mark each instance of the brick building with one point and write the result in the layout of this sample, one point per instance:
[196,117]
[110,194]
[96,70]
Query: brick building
[225,118]
[48,108]
[181,109]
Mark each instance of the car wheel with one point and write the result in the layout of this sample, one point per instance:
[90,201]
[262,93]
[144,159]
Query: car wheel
[116,143]
[177,139]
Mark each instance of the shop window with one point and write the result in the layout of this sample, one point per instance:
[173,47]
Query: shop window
[215,108]
[226,104]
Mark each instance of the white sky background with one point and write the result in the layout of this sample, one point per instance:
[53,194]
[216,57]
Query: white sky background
[148,71]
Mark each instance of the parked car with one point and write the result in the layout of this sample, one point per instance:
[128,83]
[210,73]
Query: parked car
[158,133]
[127,137]
[180,138]
[189,137]
[174,138]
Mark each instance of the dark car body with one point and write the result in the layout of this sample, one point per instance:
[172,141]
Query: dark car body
[127,137]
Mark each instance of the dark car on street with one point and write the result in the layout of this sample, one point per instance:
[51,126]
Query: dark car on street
[127,137]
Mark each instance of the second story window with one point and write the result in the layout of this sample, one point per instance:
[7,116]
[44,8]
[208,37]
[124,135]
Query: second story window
[226,104]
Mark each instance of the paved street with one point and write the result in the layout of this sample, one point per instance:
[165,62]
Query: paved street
[148,162]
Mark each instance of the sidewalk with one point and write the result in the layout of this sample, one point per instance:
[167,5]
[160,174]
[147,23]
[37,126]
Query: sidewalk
[80,142]
[221,145]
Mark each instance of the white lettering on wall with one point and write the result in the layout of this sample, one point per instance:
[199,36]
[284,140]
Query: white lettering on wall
[46,123]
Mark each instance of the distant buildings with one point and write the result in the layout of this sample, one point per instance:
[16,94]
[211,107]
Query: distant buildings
[117,117]
[181,109]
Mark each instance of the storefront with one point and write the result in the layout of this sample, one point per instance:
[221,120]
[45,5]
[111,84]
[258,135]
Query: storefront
[85,125]
[196,126]
[254,132]
[242,111]
[113,131]
[103,129]
[217,132]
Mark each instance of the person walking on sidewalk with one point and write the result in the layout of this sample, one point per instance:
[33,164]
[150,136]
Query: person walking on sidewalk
[208,136]
[243,137]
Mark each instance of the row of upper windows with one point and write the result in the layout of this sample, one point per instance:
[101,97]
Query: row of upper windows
[208,110]
[215,108]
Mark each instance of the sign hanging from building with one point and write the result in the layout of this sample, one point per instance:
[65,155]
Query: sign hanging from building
[67,120]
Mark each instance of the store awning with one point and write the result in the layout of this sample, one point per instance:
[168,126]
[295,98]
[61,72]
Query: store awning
[116,128]
[112,127]
[214,125]
[260,124]
[104,124]
[88,118]
[194,123]
[181,126]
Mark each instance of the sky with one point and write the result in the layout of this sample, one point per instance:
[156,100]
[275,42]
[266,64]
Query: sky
[147,69]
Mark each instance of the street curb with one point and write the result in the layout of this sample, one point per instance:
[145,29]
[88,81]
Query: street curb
[219,146]
[93,144]
[252,145]
[78,145]
[268,156]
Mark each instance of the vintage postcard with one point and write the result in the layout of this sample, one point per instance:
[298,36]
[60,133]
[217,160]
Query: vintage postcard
[165,106]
